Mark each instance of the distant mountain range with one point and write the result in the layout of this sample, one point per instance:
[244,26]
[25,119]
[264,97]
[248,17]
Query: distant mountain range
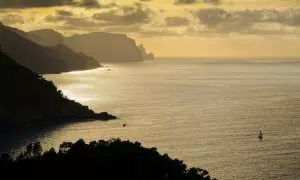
[28,99]
[105,47]
[46,37]
[47,51]
[42,59]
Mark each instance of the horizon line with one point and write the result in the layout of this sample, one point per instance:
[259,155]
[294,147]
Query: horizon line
[233,57]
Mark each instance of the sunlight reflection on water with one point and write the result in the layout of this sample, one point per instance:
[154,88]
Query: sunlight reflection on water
[207,114]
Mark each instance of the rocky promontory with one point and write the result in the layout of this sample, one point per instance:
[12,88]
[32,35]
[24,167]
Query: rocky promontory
[106,47]
[146,56]
[28,99]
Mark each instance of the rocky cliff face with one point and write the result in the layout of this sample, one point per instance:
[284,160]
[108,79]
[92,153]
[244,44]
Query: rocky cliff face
[146,56]
[106,47]
[28,99]
[41,59]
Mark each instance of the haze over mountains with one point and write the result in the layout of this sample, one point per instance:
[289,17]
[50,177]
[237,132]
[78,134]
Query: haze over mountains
[42,59]
[47,51]
[105,47]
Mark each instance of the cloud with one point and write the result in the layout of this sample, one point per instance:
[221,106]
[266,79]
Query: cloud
[89,4]
[64,13]
[33,3]
[122,29]
[67,19]
[125,15]
[121,19]
[213,2]
[182,2]
[249,21]
[11,19]
[177,21]
[187,2]
[156,32]
[51,3]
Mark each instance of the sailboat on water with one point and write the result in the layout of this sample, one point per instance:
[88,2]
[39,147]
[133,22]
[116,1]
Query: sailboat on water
[260,135]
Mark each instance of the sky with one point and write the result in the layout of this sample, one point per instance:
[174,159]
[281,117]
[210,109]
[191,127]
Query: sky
[181,28]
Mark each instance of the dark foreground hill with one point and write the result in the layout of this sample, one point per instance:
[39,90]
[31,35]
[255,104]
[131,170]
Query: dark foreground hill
[107,160]
[27,99]
[41,59]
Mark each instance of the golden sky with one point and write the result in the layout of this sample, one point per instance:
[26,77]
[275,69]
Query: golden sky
[206,28]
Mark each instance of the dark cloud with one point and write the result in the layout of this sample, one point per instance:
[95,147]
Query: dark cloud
[79,22]
[247,21]
[33,3]
[52,3]
[213,2]
[55,19]
[93,4]
[177,21]
[116,19]
[124,15]
[88,4]
[69,20]
[157,32]
[64,13]
[186,2]
[182,2]
[122,29]
[11,19]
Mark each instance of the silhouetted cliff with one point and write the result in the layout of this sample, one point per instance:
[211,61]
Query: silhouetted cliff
[27,98]
[146,56]
[41,59]
[106,47]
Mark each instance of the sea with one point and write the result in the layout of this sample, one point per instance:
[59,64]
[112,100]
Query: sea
[207,113]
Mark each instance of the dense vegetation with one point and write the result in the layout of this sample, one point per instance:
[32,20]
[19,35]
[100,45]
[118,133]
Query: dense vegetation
[107,160]
[27,98]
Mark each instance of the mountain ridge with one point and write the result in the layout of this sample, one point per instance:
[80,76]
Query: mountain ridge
[103,46]
[28,99]
[42,59]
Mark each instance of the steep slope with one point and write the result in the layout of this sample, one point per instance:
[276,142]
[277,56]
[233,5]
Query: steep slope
[46,37]
[146,56]
[26,98]
[105,47]
[41,59]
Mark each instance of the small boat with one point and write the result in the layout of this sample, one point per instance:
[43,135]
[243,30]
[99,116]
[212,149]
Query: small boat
[260,136]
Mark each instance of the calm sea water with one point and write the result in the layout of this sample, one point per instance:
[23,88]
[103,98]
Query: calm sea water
[206,113]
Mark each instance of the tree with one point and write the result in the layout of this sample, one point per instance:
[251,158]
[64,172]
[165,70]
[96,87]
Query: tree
[6,159]
[37,149]
[29,149]
[113,159]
